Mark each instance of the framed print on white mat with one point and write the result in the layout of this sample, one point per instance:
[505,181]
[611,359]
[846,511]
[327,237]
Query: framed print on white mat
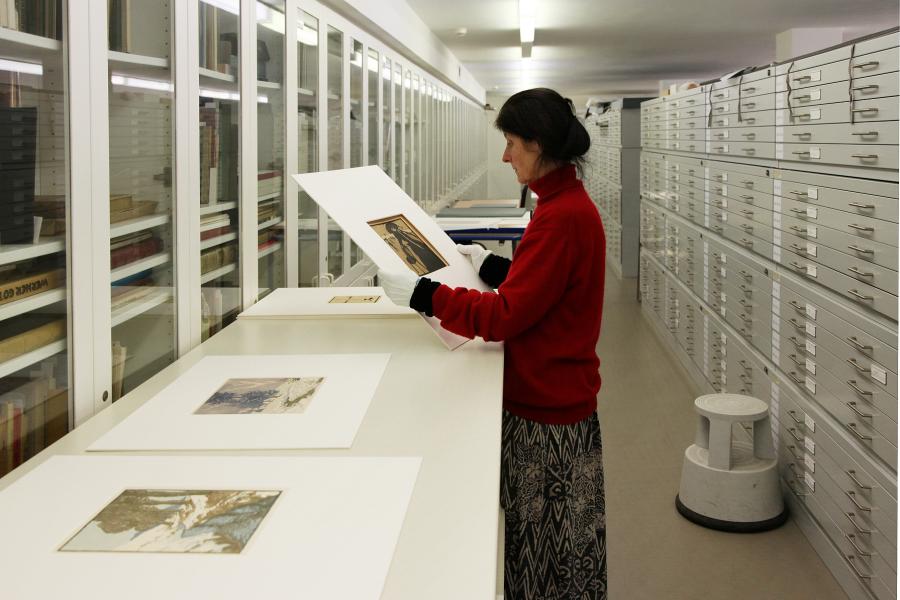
[330,517]
[392,230]
[255,402]
[326,302]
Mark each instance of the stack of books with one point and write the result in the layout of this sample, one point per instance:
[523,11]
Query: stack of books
[33,415]
[29,278]
[123,207]
[129,248]
[18,153]
[269,183]
[29,332]
[38,17]
[209,154]
[218,257]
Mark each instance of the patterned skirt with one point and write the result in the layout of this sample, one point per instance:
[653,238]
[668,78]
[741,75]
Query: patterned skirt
[551,487]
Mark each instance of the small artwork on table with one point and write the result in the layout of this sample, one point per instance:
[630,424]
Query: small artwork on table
[175,521]
[410,245]
[262,395]
[354,300]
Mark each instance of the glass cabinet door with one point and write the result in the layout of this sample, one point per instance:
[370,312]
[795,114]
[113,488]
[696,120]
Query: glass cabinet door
[34,208]
[219,106]
[374,107]
[335,90]
[398,125]
[142,200]
[308,143]
[387,133]
[407,132]
[270,117]
[357,110]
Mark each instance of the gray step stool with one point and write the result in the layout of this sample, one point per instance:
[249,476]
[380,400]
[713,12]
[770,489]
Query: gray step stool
[726,484]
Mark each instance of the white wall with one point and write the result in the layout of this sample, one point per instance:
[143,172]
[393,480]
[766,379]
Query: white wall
[501,180]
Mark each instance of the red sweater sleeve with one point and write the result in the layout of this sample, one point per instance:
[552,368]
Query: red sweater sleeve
[536,281]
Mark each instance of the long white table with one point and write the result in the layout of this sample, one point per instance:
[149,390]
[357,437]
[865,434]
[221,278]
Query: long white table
[443,406]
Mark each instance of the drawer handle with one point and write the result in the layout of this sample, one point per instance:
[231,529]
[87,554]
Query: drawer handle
[802,134]
[747,182]
[800,346]
[798,211]
[797,325]
[797,307]
[745,289]
[803,116]
[803,78]
[749,90]
[798,230]
[804,98]
[720,108]
[866,65]
[865,110]
[745,274]
[866,88]
[793,415]
[796,361]
[850,558]
[800,153]
[852,496]
[852,406]
[798,266]
[720,123]
[747,228]
[859,345]
[856,294]
[716,228]
[859,551]
[854,429]
[852,475]
[749,104]
[719,135]
[798,193]
[859,273]
[795,435]
[796,493]
[852,362]
[861,250]
[856,526]
[798,381]
[865,133]
[747,197]
[793,450]
[751,120]
[749,150]
[798,249]
[865,156]
[794,472]
[720,95]
[749,136]
[747,242]
[861,206]
[719,148]
[858,390]
[744,365]
[860,227]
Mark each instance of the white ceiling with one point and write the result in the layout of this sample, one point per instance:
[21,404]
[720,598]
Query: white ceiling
[612,48]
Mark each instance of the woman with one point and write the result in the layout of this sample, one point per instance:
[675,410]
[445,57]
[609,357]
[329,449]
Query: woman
[547,310]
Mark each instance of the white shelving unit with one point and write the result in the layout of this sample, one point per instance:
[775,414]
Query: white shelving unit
[26,305]
[220,272]
[270,250]
[139,224]
[218,240]
[26,47]
[269,223]
[140,265]
[133,309]
[218,207]
[35,356]
[11,253]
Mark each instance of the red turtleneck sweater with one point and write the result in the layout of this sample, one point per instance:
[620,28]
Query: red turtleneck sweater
[548,309]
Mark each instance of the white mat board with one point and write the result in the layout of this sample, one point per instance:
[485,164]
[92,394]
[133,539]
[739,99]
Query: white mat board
[354,197]
[167,421]
[334,517]
[297,303]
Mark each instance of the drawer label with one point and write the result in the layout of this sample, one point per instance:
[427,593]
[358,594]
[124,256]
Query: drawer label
[776,188]
[809,481]
[809,422]
[810,330]
[810,463]
[776,290]
[779,135]
[779,148]
[811,311]
[812,212]
[815,152]
[815,114]
[722,271]
[722,310]
[879,374]
[812,193]
[812,231]
[810,385]
[779,117]
[810,366]
[811,348]
[810,444]
[811,271]
[812,249]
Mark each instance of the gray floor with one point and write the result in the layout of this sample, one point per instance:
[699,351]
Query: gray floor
[647,419]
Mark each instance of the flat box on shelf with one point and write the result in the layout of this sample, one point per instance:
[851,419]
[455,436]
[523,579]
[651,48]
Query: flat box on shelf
[28,333]
[24,286]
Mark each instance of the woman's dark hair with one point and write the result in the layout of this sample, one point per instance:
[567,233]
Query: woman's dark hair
[544,116]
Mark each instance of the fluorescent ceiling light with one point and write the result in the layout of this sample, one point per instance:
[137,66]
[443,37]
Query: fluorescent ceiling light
[145,84]
[21,67]
[527,11]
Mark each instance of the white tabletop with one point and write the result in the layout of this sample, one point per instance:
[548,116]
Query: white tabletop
[442,406]
[316,303]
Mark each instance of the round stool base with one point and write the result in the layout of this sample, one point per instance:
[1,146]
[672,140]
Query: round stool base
[731,526]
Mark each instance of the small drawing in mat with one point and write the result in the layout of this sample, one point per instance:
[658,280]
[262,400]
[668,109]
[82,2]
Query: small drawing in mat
[354,300]
[265,395]
[175,521]
[410,245]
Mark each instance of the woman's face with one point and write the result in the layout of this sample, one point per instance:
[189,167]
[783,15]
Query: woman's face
[524,157]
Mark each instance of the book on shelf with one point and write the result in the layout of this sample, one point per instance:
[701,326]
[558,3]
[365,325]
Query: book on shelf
[123,207]
[131,248]
[37,17]
[28,332]
[218,257]
[119,12]
[18,157]
[214,233]
[269,182]
[215,220]
[209,153]
[29,280]
[119,356]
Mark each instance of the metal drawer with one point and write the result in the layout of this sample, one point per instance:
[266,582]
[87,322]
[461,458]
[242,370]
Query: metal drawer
[872,341]
[748,242]
[688,136]
[749,85]
[876,63]
[758,215]
[878,200]
[874,274]
[742,149]
[741,134]
[860,429]
[737,180]
[879,109]
[760,118]
[861,293]
[877,156]
[856,224]
[745,105]
[843,133]
[746,225]
[855,245]
[877,86]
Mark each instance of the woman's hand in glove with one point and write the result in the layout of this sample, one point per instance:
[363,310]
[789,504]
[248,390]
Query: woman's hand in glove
[476,254]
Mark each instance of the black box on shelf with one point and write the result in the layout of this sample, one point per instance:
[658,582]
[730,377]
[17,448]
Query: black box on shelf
[17,175]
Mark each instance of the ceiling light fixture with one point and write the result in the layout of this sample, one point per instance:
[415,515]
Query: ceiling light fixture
[527,14]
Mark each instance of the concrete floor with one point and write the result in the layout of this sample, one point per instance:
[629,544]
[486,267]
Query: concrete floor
[647,418]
